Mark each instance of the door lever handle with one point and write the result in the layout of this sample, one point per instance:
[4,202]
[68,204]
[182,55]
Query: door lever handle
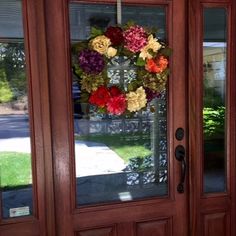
[180,156]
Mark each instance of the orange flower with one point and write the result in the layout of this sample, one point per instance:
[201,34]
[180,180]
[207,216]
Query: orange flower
[156,65]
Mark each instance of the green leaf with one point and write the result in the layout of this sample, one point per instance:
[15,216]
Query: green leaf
[150,51]
[140,62]
[126,52]
[129,24]
[95,32]
[133,86]
[166,52]
[102,110]
[166,72]
[151,30]
[78,71]
[84,97]
[130,87]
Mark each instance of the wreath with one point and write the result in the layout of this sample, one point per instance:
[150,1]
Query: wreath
[130,42]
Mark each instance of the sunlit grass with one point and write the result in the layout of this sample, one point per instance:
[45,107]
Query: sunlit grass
[15,169]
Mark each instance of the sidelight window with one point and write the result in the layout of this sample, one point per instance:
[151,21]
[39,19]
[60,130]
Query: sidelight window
[15,147]
[214,99]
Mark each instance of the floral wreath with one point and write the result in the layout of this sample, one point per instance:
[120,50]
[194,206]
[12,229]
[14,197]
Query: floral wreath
[91,60]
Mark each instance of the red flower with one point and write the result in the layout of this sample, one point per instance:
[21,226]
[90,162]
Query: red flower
[114,91]
[100,97]
[117,105]
[115,34]
[156,65]
[151,66]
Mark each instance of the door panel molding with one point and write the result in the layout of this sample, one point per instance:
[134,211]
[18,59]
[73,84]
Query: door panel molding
[110,231]
[216,224]
[161,227]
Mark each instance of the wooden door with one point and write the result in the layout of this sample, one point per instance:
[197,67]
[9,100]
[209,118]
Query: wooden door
[26,205]
[211,89]
[196,114]
[96,203]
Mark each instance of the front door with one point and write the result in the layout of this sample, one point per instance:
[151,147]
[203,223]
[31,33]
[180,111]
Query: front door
[120,174]
[128,174]
[98,142]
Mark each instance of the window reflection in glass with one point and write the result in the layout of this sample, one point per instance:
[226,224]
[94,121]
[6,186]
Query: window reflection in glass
[214,100]
[118,158]
[15,148]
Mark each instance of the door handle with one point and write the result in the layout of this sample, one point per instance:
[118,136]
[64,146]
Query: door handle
[180,156]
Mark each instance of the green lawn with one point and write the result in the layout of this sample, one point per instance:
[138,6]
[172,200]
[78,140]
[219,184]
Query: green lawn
[15,170]
[125,145]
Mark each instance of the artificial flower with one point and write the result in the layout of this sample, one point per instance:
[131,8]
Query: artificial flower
[151,66]
[142,97]
[91,82]
[111,52]
[150,82]
[117,105]
[100,97]
[95,69]
[135,38]
[114,91]
[155,82]
[157,65]
[153,46]
[136,100]
[101,44]
[115,34]
[162,79]
[91,62]
[150,94]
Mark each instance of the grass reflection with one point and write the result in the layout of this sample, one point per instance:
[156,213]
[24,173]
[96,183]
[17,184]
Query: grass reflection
[15,170]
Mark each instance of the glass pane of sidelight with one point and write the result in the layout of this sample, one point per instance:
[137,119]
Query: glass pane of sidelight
[15,151]
[118,157]
[214,99]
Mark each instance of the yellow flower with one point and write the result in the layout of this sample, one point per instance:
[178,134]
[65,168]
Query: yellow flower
[101,44]
[111,52]
[153,45]
[136,100]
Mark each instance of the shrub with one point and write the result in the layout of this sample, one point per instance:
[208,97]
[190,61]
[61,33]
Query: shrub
[214,121]
[6,94]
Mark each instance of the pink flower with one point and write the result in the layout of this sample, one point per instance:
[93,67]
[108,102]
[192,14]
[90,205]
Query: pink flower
[117,105]
[135,38]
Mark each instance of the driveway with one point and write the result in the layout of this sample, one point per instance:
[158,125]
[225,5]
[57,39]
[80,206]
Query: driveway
[14,126]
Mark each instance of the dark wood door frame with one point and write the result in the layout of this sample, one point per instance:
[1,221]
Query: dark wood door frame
[48,59]
[211,214]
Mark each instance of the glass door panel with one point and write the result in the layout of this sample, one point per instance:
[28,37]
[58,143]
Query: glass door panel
[118,158]
[214,99]
[15,148]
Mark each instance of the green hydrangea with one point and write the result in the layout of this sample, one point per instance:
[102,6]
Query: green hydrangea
[90,82]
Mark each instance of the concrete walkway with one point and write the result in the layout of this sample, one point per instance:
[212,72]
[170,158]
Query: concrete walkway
[15,145]
[96,158]
[90,158]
